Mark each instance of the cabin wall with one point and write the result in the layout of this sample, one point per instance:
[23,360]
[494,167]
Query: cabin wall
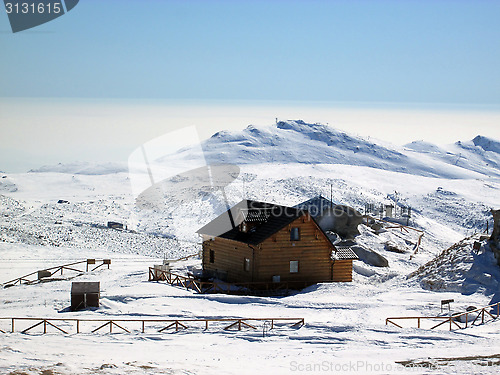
[229,259]
[342,270]
[312,251]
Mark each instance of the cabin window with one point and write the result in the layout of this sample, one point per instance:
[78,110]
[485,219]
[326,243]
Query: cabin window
[212,256]
[246,265]
[294,266]
[295,234]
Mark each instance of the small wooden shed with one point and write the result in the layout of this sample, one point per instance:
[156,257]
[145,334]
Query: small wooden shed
[85,294]
[262,242]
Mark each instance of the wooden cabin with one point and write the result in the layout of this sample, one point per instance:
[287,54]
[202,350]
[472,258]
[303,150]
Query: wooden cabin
[263,242]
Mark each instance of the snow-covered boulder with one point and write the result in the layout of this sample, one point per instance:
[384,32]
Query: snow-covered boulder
[369,256]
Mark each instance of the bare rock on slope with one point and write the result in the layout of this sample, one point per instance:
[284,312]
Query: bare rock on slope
[495,236]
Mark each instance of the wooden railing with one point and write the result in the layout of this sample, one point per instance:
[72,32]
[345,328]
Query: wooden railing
[474,316]
[65,325]
[48,272]
[185,257]
[223,287]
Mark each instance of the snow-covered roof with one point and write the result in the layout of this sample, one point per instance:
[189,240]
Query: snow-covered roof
[316,206]
[343,253]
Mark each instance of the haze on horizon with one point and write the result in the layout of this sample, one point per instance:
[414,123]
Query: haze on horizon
[47,132]
[108,76]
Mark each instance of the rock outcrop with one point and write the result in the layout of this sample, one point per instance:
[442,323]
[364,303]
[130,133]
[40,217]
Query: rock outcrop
[495,235]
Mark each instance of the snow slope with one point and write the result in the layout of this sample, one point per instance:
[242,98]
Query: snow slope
[286,164]
[300,142]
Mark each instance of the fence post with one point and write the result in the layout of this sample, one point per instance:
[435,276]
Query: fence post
[44,326]
[418,322]
[12,325]
[143,323]
[77,326]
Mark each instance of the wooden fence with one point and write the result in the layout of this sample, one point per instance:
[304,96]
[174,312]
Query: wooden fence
[48,272]
[403,229]
[83,325]
[223,287]
[457,321]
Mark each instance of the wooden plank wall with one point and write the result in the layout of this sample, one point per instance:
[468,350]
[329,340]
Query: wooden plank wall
[229,257]
[312,251]
[342,270]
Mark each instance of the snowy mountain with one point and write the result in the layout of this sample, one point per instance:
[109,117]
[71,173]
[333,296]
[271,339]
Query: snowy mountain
[450,189]
[300,142]
[85,168]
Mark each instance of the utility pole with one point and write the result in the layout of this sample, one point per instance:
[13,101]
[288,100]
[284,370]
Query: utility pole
[331,195]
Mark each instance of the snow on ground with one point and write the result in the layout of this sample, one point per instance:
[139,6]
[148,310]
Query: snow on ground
[344,326]
[345,329]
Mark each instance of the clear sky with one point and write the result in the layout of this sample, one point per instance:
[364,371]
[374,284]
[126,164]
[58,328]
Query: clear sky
[432,54]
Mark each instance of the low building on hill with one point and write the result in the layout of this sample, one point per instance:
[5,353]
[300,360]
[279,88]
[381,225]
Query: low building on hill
[331,216]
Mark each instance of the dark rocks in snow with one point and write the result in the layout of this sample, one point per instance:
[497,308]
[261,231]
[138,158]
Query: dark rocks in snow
[495,235]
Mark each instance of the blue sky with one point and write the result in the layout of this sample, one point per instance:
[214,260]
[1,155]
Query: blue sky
[132,70]
[353,51]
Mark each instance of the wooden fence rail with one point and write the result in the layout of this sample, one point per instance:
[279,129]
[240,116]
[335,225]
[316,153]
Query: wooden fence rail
[64,325]
[223,287]
[48,272]
[457,320]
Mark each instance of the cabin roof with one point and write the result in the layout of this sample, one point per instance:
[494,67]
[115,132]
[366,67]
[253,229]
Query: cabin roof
[270,218]
[316,206]
[83,287]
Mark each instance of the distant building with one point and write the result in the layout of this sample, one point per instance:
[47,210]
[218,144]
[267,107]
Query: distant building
[331,216]
[263,242]
[115,225]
